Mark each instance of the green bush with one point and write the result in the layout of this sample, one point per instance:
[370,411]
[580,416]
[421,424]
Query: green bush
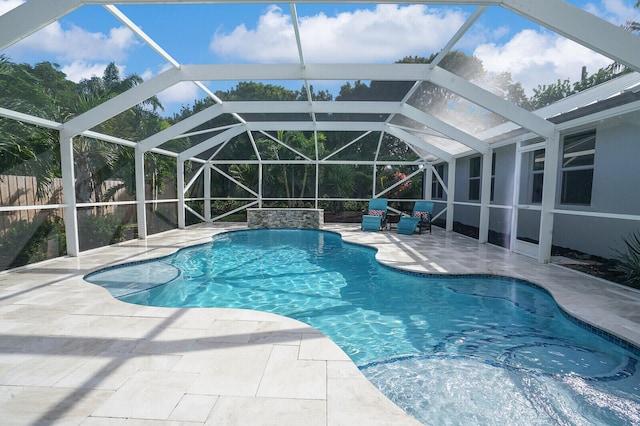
[630,260]
[222,206]
[99,231]
[30,242]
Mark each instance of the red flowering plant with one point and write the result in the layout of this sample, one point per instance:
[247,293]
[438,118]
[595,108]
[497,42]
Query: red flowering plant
[389,178]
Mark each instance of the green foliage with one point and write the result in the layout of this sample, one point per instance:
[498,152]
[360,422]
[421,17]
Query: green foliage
[547,94]
[44,91]
[30,151]
[29,242]
[504,86]
[162,217]
[338,181]
[219,207]
[630,260]
[5,66]
[98,231]
[26,149]
[248,90]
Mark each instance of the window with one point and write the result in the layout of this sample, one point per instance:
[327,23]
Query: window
[493,175]
[537,176]
[437,191]
[474,178]
[578,155]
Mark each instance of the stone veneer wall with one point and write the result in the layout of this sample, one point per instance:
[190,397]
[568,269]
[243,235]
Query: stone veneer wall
[285,218]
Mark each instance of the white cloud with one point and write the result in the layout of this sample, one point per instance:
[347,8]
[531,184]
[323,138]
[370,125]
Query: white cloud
[7,5]
[383,34]
[538,57]
[535,58]
[79,70]
[183,93]
[77,44]
[82,54]
[617,12]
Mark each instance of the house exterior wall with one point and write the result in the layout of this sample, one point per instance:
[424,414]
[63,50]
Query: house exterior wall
[499,218]
[616,189]
[463,214]
[440,203]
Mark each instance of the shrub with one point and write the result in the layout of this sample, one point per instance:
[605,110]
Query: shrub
[28,242]
[98,231]
[630,260]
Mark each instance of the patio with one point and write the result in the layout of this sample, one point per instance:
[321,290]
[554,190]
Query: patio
[71,354]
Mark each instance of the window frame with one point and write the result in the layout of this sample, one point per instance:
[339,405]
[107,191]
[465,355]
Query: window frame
[586,163]
[437,190]
[474,181]
[493,177]
[537,175]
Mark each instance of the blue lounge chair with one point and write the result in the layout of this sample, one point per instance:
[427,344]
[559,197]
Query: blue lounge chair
[376,217]
[407,225]
[420,218]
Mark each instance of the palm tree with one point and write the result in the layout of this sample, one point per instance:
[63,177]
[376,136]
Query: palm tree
[632,25]
[339,181]
[95,161]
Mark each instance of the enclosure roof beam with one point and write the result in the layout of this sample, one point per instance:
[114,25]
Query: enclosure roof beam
[492,102]
[444,128]
[557,15]
[302,107]
[30,119]
[181,127]
[122,102]
[458,35]
[266,126]
[340,72]
[438,2]
[420,143]
[168,78]
[212,142]
[29,17]
[360,108]
[582,27]
[309,126]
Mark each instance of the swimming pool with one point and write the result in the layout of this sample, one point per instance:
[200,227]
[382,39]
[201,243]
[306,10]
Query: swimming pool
[477,350]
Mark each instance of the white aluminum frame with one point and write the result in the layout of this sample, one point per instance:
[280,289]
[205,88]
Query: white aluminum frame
[556,15]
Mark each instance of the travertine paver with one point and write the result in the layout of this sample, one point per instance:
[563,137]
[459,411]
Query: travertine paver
[71,354]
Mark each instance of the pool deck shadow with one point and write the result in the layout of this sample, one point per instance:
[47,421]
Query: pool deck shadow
[71,354]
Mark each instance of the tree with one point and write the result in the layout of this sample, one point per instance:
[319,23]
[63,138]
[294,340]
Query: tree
[633,25]
[436,100]
[292,178]
[26,149]
[97,161]
[339,181]
[111,84]
[502,84]
[44,91]
[547,94]
[94,164]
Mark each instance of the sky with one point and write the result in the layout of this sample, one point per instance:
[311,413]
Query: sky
[85,41]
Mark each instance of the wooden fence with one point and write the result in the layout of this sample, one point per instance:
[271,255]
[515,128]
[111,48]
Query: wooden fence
[20,191]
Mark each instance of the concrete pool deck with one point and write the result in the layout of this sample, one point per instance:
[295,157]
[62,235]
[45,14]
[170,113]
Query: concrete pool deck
[71,354]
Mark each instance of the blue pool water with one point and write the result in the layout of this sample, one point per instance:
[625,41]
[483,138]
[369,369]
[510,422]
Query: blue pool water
[449,350]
